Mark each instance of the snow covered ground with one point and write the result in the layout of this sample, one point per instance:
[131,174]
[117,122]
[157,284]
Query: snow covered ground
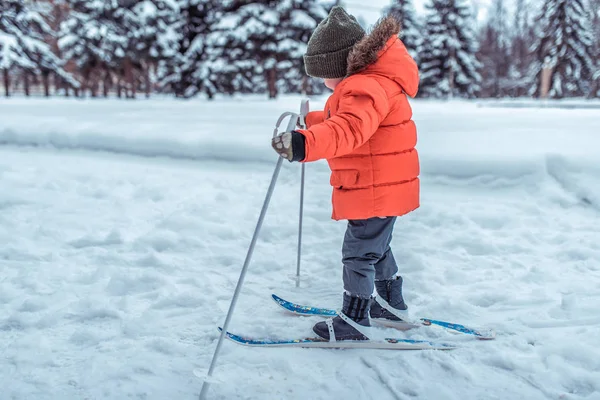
[117,266]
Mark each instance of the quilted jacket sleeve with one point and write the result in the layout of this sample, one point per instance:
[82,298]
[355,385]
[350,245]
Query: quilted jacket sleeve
[362,106]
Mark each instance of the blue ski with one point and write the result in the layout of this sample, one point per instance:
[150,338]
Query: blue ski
[483,334]
[317,342]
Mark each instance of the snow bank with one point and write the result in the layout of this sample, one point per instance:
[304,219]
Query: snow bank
[179,129]
[457,139]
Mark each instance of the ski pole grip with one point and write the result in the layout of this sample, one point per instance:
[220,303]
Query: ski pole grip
[293,117]
[304,108]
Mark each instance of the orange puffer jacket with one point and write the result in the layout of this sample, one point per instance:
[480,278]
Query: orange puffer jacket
[366,132]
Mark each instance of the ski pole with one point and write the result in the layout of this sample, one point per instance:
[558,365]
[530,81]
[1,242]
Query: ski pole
[291,125]
[303,113]
[300,227]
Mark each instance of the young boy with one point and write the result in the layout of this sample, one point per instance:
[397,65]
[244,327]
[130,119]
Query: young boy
[368,138]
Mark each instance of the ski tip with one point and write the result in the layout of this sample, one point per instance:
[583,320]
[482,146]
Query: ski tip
[230,335]
[276,298]
[282,302]
[479,333]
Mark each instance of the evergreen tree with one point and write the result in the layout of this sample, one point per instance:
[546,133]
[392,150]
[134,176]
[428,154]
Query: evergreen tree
[192,69]
[117,37]
[494,52]
[299,20]
[519,77]
[263,42]
[93,41]
[153,35]
[449,66]
[595,9]
[411,31]
[22,44]
[564,46]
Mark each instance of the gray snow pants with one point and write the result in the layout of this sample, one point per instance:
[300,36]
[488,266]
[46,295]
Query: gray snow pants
[366,254]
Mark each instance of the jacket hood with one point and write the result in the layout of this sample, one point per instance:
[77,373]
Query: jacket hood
[381,52]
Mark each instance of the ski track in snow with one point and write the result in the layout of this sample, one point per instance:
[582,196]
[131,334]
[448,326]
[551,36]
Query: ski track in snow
[117,270]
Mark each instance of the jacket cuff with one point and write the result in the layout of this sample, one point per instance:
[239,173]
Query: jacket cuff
[298,146]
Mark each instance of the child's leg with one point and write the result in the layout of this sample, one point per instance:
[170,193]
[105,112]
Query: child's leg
[387,284]
[386,267]
[366,254]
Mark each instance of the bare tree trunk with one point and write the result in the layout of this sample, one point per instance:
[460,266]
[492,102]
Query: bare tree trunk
[26,83]
[132,84]
[94,86]
[545,77]
[304,88]
[46,80]
[6,83]
[272,83]
[129,79]
[497,81]
[119,88]
[106,83]
[595,92]
[451,75]
[451,83]
[147,83]
[86,82]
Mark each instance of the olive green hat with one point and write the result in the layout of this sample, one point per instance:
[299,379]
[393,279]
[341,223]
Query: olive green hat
[329,45]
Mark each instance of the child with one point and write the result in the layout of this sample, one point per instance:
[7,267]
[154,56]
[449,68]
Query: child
[367,136]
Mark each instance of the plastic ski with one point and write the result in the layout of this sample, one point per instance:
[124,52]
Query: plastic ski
[317,342]
[483,334]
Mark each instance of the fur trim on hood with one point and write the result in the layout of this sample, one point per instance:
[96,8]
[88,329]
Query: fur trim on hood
[365,52]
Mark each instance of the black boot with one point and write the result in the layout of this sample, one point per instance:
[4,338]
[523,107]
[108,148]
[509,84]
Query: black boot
[390,291]
[355,308]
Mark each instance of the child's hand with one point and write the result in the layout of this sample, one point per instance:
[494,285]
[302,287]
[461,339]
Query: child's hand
[282,144]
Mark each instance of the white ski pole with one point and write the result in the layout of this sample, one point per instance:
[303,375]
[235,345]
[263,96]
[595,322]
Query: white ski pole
[303,112]
[291,126]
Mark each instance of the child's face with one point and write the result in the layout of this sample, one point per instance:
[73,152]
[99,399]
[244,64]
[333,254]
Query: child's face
[332,83]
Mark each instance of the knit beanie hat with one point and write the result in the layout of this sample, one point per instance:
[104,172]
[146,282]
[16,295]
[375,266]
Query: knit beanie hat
[329,45]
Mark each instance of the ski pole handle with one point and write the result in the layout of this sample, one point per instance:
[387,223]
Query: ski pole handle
[291,124]
[303,113]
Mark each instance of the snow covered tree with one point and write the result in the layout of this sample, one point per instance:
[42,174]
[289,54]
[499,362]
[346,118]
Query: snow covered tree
[519,77]
[153,34]
[563,48]
[411,31]
[494,52]
[263,42]
[595,9]
[117,37]
[93,41]
[449,66]
[298,20]
[193,69]
[23,46]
